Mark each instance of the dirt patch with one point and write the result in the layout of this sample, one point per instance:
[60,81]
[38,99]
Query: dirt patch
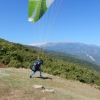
[2,65]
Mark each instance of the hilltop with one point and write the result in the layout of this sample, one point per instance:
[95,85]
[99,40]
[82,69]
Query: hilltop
[15,84]
[19,56]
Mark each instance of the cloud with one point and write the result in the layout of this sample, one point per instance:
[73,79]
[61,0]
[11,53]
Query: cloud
[37,44]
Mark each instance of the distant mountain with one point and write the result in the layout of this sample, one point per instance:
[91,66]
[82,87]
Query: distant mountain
[88,52]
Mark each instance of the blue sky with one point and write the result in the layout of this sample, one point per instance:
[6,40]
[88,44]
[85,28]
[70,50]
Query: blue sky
[70,20]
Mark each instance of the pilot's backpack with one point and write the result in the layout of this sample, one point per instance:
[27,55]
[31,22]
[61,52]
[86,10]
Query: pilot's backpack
[34,66]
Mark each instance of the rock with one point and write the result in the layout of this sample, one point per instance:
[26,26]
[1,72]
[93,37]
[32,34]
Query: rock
[48,90]
[38,86]
[44,90]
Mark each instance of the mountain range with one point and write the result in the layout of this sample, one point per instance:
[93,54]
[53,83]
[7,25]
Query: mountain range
[85,51]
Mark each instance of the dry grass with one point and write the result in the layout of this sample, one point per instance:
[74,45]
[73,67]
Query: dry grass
[15,84]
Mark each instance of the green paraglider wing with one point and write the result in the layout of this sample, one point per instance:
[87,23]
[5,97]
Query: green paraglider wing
[37,8]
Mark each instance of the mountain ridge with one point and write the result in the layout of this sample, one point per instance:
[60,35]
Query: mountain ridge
[86,51]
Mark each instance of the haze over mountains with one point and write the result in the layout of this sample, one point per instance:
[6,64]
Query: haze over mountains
[85,51]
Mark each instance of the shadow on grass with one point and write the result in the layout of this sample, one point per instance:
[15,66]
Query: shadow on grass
[43,77]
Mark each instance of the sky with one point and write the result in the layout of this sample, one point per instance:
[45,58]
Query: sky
[64,21]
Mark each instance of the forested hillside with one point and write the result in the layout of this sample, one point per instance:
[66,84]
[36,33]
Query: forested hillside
[17,55]
[73,59]
[85,51]
[70,58]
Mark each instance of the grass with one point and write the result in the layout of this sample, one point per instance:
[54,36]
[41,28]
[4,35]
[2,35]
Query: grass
[15,84]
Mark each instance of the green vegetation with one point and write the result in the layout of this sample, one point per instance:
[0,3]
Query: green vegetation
[73,59]
[17,55]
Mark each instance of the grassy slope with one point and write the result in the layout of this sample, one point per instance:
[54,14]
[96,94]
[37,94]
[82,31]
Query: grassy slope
[15,84]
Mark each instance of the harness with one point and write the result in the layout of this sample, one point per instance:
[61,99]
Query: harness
[35,66]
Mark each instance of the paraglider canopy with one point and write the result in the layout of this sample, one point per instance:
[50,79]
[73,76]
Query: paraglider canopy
[37,8]
[37,12]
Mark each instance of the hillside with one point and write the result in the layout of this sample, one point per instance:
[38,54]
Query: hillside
[15,84]
[20,56]
[73,59]
[69,58]
[85,51]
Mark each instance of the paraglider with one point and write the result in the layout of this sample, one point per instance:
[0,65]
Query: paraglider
[36,11]
[35,66]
